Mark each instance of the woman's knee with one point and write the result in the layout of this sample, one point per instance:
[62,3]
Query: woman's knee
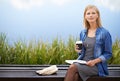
[73,67]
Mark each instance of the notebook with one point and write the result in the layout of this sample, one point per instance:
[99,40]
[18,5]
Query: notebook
[73,61]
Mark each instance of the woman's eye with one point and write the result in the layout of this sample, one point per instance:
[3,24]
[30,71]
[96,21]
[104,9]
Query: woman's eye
[88,13]
[93,13]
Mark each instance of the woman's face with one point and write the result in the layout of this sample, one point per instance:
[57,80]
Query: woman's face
[91,15]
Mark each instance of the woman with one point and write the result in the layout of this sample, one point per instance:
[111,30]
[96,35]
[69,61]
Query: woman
[96,49]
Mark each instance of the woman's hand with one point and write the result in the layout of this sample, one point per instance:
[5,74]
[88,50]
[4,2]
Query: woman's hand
[93,62]
[76,49]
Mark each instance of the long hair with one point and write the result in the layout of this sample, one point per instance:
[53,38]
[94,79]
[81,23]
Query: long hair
[98,21]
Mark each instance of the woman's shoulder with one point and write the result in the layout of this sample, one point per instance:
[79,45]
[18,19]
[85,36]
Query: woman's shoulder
[84,31]
[103,30]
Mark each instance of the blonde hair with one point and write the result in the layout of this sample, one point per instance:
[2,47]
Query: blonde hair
[98,21]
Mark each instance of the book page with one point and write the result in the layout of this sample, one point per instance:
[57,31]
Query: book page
[73,61]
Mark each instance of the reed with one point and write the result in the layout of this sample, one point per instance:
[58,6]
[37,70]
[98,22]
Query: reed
[116,52]
[39,52]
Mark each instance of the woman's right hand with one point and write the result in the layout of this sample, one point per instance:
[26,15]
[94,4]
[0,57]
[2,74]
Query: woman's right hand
[76,49]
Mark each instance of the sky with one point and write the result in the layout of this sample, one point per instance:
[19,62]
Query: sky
[48,19]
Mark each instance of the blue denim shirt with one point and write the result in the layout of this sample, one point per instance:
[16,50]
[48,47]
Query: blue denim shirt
[102,49]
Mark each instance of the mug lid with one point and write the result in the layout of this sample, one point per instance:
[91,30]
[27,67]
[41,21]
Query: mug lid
[78,41]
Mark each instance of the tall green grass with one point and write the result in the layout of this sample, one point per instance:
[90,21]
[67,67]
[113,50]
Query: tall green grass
[116,52]
[39,52]
[36,52]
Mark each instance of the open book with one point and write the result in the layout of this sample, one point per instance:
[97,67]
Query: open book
[73,61]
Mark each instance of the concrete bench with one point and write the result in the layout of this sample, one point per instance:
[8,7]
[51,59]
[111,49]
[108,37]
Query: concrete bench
[27,72]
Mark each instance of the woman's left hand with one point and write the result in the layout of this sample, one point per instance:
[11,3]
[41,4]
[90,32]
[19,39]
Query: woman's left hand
[91,63]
